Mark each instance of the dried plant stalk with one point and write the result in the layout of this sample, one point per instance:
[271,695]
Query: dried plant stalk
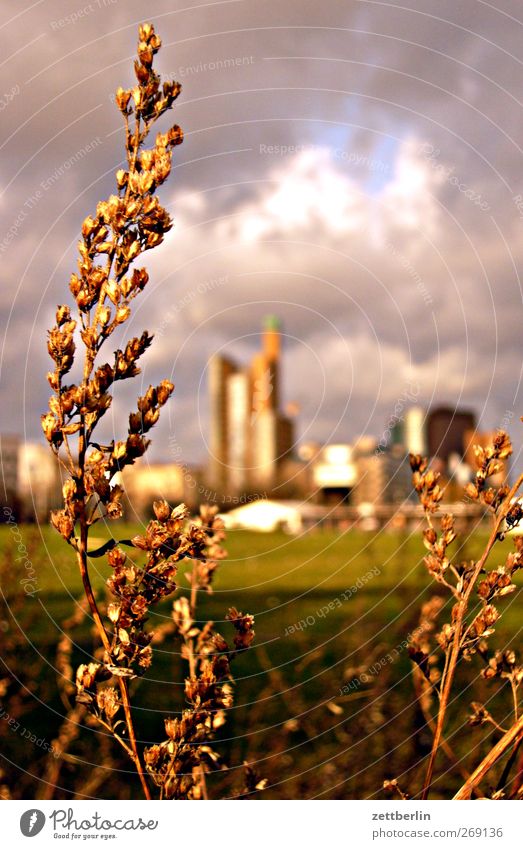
[470,584]
[178,764]
[497,751]
[125,225]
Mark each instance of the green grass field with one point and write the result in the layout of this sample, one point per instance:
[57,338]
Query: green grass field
[315,630]
[280,578]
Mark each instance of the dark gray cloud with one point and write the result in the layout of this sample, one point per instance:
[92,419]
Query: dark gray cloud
[386,235]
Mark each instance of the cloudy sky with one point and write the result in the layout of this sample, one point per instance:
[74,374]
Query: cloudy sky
[353,167]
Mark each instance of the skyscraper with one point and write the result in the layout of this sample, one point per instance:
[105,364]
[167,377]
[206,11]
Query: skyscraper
[250,436]
[409,431]
[446,429]
[238,442]
[220,369]
[415,430]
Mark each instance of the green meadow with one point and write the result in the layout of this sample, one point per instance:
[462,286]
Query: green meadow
[324,701]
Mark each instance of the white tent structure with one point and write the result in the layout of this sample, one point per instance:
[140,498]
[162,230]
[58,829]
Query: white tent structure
[266,515]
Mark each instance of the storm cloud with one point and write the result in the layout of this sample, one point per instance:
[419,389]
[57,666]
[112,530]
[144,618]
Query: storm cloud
[355,168]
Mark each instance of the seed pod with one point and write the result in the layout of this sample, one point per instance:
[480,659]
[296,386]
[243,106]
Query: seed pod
[162,511]
[113,612]
[122,99]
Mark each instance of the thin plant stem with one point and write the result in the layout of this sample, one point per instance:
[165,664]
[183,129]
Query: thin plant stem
[489,760]
[456,642]
[124,690]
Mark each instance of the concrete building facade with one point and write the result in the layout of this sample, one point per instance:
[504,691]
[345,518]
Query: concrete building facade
[250,436]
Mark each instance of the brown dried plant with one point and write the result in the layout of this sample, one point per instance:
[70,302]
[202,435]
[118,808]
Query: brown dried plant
[125,225]
[178,764]
[475,589]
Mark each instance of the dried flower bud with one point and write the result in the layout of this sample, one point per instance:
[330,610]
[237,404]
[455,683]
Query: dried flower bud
[171,728]
[107,701]
[139,606]
[155,42]
[175,134]
[164,391]
[122,99]
[145,54]
[472,491]
[113,612]
[480,715]
[502,445]
[145,31]
[61,520]
[63,315]
[121,178]
[51,430]
[119,450]
[137,96]
[104,316]
[87,674]
[430,537]
[54,380]
[122,314]
[89,226]
[243,625]
[162,511]
[69,489]
[417,463]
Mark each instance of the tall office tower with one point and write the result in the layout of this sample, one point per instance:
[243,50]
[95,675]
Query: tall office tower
[264,448]
[265,368]
[410,431]
[446,429]
[238,441]
[272,436]
[285,436]
[9,450]
[250,437]
[415,432]
[220,370]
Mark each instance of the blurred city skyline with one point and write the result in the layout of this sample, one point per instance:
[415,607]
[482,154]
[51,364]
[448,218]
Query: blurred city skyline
[253,455]
[354,169]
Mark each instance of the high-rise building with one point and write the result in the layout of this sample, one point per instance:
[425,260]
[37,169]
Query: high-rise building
[250,436]
[264,456]
[410,431]
[415,430]
[9,448]
[382,478]
[446,429]
[220,369]
[265,375]
[238,442]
